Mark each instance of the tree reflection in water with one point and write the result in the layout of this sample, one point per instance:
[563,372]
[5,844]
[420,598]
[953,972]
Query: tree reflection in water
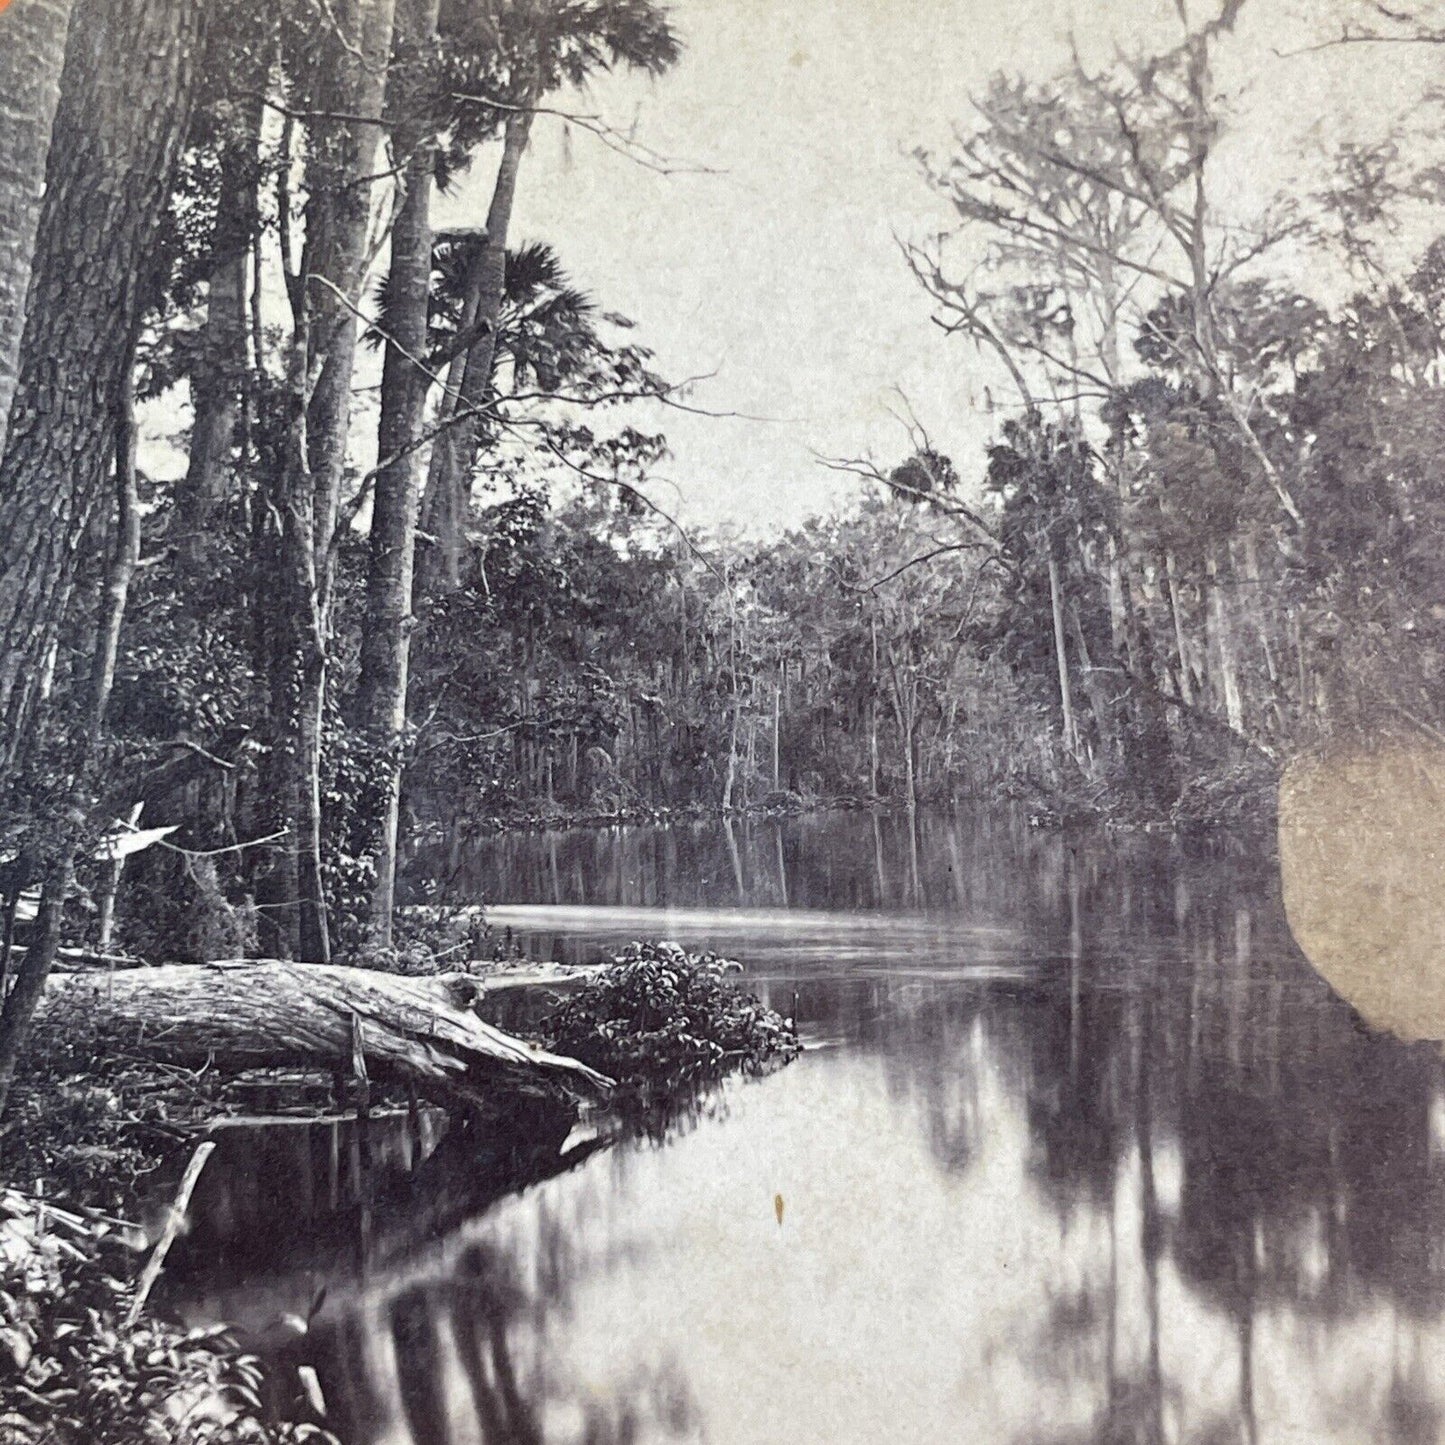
[1092,1156]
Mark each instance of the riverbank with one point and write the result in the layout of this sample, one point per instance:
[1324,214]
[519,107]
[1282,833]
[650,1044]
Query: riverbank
[1242,797]
[96,1146]
[558,815]
[1241,793]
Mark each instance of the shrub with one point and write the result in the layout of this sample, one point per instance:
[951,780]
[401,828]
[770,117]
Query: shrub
[659,1020]
[72,1372]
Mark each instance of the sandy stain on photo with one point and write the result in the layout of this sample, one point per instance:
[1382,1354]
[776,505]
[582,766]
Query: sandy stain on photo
[1362,857]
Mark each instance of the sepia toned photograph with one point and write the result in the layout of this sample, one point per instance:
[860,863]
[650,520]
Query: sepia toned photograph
[722,722]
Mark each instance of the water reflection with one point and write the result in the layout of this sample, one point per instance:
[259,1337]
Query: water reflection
[1091,1156]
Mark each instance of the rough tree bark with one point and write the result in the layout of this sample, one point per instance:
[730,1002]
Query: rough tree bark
[123,110]
[124,107]
[386,636]
[236,1016]
[469,381]
[32,52]
[218,378]
[341,171]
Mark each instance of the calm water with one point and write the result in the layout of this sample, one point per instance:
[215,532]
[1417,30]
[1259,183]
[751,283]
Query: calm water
[1081,1151]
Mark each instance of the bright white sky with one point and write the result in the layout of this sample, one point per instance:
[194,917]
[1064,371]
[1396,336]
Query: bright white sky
[775,272]
[780,272]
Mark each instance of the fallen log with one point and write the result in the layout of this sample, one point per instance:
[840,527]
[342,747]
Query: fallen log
[233,1017]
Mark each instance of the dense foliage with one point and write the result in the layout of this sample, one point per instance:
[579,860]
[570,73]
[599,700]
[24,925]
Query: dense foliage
[73,1372]
[660,1021]
[1200,536]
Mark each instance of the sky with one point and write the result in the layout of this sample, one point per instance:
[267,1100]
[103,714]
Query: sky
[769,262]
[764,258]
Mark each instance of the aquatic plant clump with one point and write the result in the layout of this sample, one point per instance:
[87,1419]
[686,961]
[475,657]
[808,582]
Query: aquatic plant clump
[660,1019]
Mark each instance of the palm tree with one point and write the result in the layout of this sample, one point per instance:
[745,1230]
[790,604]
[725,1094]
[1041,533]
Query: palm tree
[548,45]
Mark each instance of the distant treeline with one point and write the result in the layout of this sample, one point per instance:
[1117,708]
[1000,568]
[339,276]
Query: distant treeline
[1207,533]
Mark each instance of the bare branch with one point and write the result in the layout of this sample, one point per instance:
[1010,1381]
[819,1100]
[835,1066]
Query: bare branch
[869,471]
[913,562]
[627,146]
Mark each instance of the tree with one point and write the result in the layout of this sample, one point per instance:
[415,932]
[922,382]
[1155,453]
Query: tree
[1052,508]
[469,379]
[118,129]
[238,67]
[1087,204]
[115,148]
[32,52]
[386,638]
[543,47]
[342,65]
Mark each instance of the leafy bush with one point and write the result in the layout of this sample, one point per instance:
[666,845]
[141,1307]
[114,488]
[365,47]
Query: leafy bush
[88,1133]
[660,1019]
[429,940]
[72,1372]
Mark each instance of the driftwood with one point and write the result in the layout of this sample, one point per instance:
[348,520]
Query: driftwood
[515,976]
[420,1032]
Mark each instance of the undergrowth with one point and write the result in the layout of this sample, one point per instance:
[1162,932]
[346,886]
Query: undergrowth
[73,1371]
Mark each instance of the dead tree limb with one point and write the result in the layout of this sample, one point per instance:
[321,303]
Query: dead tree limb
[420,1032]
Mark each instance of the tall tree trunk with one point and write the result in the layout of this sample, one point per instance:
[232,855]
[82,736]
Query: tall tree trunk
[778,730]
[1257,604]
[873,709]
[340,171]
[283,585]
[1118,617]
[32,52]
[448,487]
[734,728]
[22,1001]
[218,379]
[1176,611]
[1221,627]
[348,81]
[1099,700]
[123,111]
[1061,658]
[910,768]
[386,637]
[120,568]
[124,108]
[119,573]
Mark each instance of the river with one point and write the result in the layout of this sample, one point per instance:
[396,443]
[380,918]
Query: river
[1080,1150]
